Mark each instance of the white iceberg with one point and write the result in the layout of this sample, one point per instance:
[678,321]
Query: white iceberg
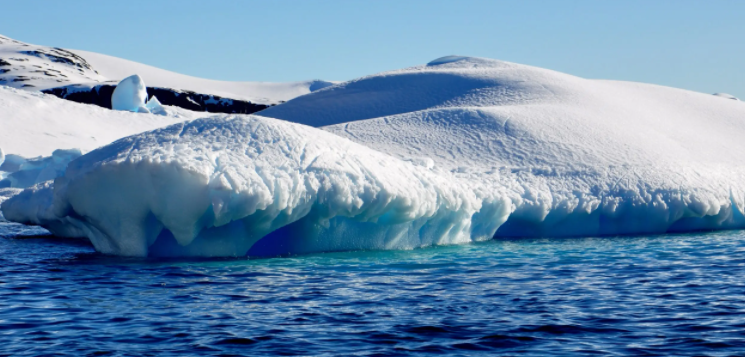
[459,151]
[576,157]
[216,186]
[130,95]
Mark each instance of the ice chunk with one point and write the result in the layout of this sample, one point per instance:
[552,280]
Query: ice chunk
[2,157]
[28,172]
[12,163]
[130,94]
[154,106]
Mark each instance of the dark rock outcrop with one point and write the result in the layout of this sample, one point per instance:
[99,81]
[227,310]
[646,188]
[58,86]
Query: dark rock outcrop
[101,95]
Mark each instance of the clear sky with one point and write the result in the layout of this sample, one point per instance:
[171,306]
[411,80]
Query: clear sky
[697,45]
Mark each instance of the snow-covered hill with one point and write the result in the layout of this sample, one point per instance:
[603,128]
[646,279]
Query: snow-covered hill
[459,150]
[35,124]
[28,66]
[256,92]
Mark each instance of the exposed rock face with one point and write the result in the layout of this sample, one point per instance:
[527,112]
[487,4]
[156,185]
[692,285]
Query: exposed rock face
[101,95]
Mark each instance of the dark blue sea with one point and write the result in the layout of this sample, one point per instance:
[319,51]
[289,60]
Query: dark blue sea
[669,295]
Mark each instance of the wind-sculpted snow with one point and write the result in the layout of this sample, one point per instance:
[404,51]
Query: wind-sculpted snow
[217,186]
[575,156]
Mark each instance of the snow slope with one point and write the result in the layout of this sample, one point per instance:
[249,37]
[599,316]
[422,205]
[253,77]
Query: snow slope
[35,124]
[257,92]
[576,156]
[28,66]
[460,150]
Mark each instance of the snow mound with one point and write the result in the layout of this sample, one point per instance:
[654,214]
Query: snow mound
[576,157]
[130,94]
[34,67]
[217,186]
[725,95]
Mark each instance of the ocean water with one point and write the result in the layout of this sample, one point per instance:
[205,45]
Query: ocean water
[657,295]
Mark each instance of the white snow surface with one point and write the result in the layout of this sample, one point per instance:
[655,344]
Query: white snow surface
[35,67]
[575,156]
[115,68]
[34,124]
[446,153]
[130,94]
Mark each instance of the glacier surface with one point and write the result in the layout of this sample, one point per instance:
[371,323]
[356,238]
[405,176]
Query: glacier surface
[458,150]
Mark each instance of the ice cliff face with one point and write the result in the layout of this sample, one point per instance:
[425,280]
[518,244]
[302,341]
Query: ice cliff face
[461,149]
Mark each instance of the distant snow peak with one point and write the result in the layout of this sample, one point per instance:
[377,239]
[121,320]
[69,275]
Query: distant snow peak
[130,95]
[447,59]
[727,96]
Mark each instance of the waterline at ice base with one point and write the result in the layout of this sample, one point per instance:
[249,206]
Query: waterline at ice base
[462,149]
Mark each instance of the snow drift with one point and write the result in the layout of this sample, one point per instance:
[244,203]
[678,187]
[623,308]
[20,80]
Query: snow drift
[461,149]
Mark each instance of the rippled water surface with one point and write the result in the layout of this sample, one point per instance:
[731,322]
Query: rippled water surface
[660,295]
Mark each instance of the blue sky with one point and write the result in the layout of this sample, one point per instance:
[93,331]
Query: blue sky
[697,45]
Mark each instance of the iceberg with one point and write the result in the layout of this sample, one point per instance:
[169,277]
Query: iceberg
[130,95]
[577,157]
[462,150]
[225,185]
